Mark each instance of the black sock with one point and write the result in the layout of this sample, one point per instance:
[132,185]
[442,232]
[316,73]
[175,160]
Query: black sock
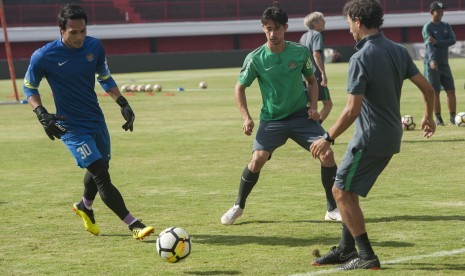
[248,181]
[327,178]
[365,251]
[90,188]
[347,243]
[108,192]
[438,116]
[452,116]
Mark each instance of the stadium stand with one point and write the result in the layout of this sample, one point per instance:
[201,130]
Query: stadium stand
[147,11]
[176,32]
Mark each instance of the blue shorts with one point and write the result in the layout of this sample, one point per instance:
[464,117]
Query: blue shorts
[273,134]
[358,172]
[88,148]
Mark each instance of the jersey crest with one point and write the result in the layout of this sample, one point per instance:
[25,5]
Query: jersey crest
[90,57]
[292,64]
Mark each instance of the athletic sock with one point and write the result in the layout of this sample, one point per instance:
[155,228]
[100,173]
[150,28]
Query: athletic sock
[108,192]
[347,243]
[365,251]
[248,181]
[452,116]
[327,179]
[438,117]
[87,203]
[129,219]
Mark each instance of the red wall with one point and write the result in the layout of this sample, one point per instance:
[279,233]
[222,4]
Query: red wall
[194,43]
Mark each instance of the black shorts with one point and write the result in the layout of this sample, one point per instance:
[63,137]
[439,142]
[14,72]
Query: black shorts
[273,134]
[358,172]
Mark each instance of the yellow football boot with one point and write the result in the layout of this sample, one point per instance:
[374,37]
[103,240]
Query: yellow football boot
[88,217]
[140,231]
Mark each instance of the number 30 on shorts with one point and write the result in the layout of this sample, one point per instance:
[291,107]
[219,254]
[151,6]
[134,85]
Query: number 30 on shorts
[84,150]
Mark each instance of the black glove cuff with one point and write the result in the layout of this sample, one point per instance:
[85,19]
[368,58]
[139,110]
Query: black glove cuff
[121,101]
[40,110]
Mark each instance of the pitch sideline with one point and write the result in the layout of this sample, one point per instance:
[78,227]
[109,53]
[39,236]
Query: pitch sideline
[395,261]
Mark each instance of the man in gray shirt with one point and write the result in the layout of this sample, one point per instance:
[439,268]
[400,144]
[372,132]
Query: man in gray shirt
[313,40]
[376,75]
[438,36]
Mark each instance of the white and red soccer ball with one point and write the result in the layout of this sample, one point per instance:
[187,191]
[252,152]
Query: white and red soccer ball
[408,123]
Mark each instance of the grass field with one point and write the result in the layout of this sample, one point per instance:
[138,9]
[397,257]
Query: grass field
[181,167]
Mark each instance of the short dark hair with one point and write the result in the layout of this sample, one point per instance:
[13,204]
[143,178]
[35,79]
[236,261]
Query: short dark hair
[276,14]
[369,12]
[71,11]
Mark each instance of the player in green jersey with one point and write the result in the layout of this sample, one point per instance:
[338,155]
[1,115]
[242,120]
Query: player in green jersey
[279,66]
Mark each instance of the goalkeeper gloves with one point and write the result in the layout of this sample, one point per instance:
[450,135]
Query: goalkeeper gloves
[127,113]
[49,122]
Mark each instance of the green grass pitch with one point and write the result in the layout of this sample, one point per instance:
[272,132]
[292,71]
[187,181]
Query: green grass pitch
[181,167]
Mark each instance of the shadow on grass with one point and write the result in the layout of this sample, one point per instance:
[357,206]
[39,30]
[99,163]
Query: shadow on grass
[433,141]
[234,240]
[149,239]
[416,218]
[214,272]
[282,241]
[419,268]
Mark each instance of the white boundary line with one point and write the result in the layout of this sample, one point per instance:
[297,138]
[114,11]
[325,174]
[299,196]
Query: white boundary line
[395,261]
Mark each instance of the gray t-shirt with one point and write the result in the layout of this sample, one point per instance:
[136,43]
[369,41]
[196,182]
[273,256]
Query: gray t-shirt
[444,36]
[313,40]
[377,70]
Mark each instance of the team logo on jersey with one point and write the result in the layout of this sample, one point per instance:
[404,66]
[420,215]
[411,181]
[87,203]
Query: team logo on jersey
[292,64]
[90,57]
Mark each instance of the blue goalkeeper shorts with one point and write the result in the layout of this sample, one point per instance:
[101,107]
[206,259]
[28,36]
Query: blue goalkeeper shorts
[90,147]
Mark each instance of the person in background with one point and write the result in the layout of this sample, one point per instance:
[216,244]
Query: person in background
[375,77]
[438,36]
[70,64]
[313,40]
[279,65]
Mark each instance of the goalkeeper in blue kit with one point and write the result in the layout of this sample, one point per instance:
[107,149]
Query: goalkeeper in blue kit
[70,64]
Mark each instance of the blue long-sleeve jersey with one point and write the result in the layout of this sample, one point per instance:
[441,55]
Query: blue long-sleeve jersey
[71,74]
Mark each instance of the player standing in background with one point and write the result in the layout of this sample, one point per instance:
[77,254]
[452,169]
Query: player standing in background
[70,65]
[278,65]
[313,40]
[376,75]
[438,36]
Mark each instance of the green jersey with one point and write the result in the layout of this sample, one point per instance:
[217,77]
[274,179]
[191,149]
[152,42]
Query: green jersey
[279,77]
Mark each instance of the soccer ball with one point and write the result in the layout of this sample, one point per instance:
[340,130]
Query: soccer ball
[407,123]
[173,244]
[157,87]
[140,88]
[460,119]
[203,85]
[124,88]
[148,88]
[132,88]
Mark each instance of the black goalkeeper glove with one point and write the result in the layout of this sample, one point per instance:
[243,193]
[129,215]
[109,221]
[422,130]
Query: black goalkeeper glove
[49,122]
[127,113]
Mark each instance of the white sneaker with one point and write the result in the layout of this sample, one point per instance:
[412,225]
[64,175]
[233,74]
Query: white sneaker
[231,215]
[333,215]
